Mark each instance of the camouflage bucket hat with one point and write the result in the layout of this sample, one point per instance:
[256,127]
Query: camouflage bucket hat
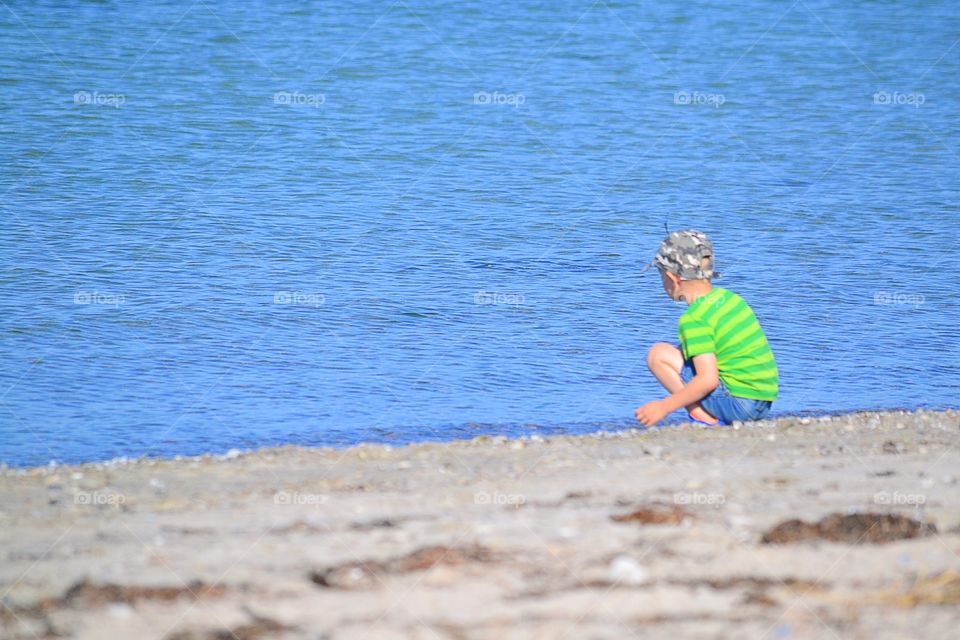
[683,252]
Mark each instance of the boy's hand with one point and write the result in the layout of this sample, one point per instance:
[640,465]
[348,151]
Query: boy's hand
[651,413]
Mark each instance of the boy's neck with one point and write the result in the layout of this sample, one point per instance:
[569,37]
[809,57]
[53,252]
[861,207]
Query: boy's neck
[694,289]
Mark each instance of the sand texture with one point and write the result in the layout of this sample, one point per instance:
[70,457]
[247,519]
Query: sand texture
[842,527]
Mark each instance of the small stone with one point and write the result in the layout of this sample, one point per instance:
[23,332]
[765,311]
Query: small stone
[120,610]
[355,574]
[626,570]
[517,444]
[805,420]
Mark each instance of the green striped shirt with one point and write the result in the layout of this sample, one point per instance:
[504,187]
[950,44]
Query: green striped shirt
[721,322]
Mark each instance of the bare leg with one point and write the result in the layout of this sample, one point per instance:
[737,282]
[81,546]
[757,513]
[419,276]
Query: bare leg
[665,362]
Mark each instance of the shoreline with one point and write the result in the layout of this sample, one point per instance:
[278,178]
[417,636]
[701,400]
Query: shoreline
[788,527]
[626,427]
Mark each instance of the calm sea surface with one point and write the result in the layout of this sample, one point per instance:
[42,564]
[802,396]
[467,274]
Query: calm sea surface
[238,224]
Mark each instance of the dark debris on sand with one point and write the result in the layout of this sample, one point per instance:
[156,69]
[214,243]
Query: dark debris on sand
[259,628]
[653,515]
[857,528]
[365,573]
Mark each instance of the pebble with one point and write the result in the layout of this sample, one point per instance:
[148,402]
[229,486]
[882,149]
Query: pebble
[656,452]
[120,610]
[805,421]
[891,447]
[626,570]
[355,574]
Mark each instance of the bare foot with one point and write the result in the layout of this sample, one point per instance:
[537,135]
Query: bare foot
[699,413]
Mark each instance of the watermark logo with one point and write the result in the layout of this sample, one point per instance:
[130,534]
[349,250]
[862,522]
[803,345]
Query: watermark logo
[99,297]
[299,298]
[497,498]
[298,99]
[885,98]
[719,300]
[895,498]
[700,499]
[99,498]
[96,98]
[495,297]
[295,498]
[698,98]
[497,98]
[885,297]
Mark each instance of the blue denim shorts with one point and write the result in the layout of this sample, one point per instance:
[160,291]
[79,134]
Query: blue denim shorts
[725,407]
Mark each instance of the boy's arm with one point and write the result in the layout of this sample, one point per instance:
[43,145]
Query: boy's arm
[703,383]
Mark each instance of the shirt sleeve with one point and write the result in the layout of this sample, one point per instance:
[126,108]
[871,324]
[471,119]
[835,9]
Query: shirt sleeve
[696,338]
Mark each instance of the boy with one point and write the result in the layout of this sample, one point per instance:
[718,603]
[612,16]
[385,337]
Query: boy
[724,369]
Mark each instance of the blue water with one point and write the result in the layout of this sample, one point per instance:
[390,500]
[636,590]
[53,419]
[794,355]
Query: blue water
[244,224]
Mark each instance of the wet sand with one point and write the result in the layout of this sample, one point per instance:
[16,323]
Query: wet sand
[843,527]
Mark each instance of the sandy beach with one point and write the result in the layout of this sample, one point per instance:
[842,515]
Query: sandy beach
[835,527]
